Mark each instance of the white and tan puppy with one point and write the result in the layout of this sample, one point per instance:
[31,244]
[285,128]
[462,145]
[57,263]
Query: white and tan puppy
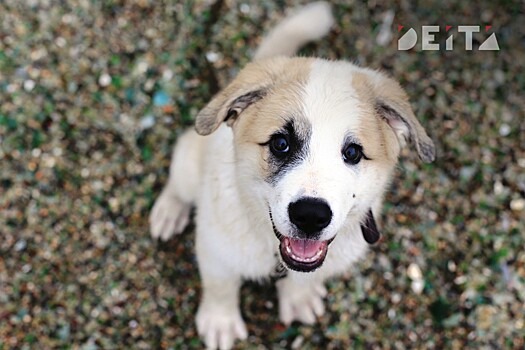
[293,172]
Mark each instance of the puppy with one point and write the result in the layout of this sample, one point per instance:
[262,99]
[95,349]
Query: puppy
[293,172]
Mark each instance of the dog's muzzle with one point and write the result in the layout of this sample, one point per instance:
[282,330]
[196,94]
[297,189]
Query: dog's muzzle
[303,255]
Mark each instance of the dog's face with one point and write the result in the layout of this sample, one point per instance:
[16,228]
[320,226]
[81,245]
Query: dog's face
[317,142]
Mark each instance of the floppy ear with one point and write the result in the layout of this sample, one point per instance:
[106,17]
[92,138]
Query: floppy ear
[250,86]
[391,103]
[226,107]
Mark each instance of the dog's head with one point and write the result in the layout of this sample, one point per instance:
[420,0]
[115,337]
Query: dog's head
[316,141]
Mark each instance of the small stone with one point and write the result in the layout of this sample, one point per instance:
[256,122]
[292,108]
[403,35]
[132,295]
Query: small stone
[36,152]
[212,56]
[391,314]
[245,8]
[504,130]
[414,272]
[298,342]
[498,188]
[396,298]
[60,42]
[167,75]
[142,67]
[104,80]
[460,280]
[161,98]
[417,286]
[20,245]
[57,152]
[84,172]
[11,88]
[517,204]
[467,172]
[29,85]
[147,122]
[485,315]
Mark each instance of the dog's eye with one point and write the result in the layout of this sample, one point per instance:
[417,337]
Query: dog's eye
[352,153]
[279,145]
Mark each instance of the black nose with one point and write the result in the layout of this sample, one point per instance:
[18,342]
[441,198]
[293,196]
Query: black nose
[310,215]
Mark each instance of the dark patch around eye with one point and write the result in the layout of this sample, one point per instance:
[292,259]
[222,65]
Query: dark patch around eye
[298,136]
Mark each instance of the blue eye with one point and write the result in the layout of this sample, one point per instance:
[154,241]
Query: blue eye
[279,145]
[352,153]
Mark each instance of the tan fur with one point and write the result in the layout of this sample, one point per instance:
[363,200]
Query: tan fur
[268,75]
[389,92]
[379,139]
[269,115]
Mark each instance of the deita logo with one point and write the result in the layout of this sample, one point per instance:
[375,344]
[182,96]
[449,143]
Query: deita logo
[410,38]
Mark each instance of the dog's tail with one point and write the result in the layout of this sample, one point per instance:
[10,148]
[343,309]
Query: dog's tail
[309,23]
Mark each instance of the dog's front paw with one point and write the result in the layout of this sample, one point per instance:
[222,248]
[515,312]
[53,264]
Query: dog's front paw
[168,217]
[220,328]
[303,303]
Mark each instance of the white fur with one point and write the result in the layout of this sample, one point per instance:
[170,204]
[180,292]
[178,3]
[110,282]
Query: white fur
[333,109]
[234,238]
[312,22]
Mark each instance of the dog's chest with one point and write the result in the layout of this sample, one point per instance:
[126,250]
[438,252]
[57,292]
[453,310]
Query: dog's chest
[259,254]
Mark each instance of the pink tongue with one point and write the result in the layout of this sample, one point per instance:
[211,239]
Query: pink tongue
[304,248]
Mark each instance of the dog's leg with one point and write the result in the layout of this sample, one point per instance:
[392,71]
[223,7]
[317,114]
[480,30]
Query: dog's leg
[171,211]
[300,300]
[219,320]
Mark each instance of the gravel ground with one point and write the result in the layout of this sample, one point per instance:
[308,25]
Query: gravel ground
[93,96]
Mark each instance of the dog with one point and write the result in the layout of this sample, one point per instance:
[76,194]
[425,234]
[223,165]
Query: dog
[291,177]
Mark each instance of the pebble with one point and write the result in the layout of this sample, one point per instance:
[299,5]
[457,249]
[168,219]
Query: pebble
[142,67]
[29,85]
[167,74]
[517,204]
[504,130]
[20,245]
[245,8]
[147,122]
[417,286]
[298,342]
[485,315]
[104,80]
[396,298]
[414,272]
[212,56]
[460,280]
[161,98]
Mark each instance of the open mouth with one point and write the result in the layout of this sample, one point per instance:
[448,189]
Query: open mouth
[303,255]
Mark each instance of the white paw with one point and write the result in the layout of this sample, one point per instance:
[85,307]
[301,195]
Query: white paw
[219,328]
[168,217]
[303,303]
